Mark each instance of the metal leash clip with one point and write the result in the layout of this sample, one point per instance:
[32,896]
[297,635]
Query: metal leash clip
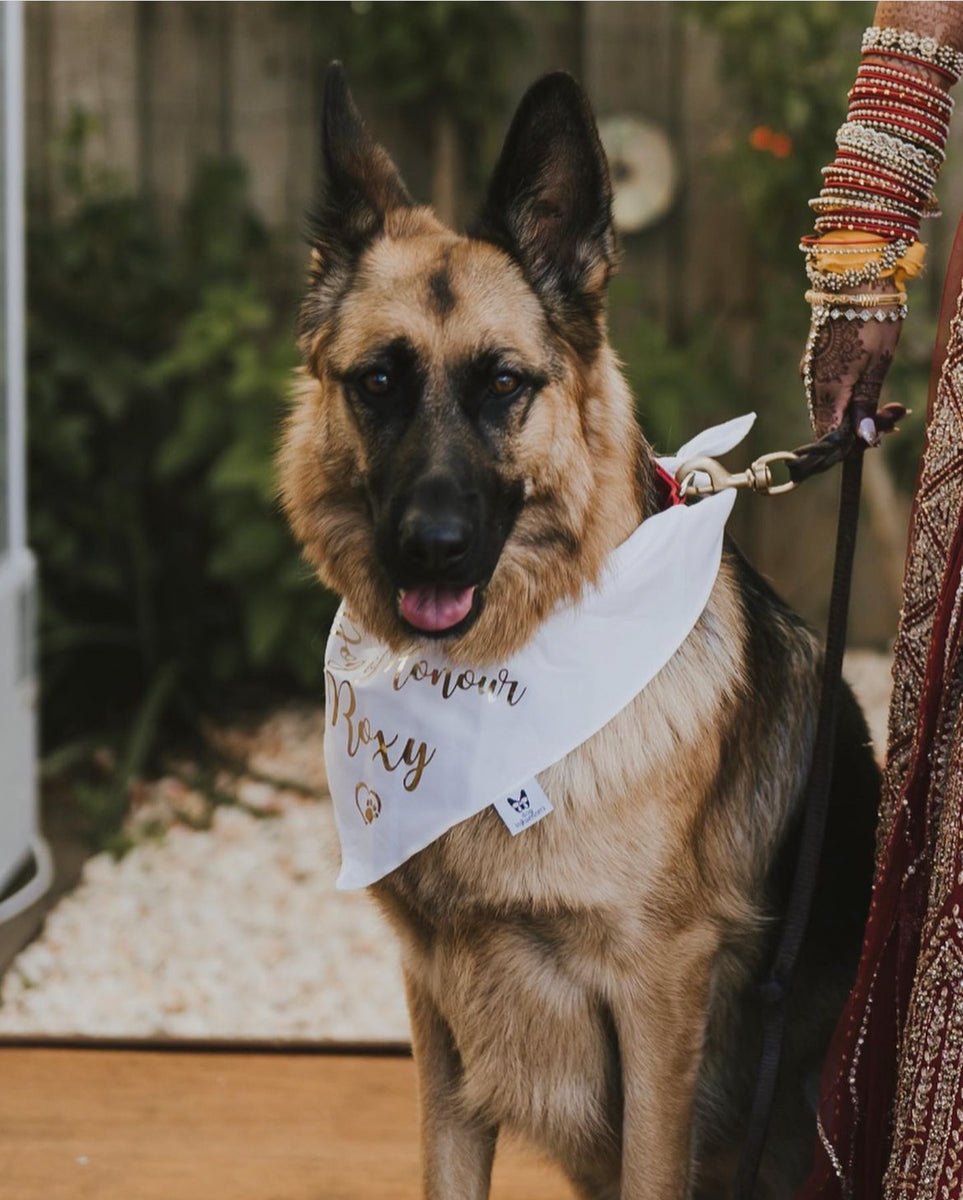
[757,476]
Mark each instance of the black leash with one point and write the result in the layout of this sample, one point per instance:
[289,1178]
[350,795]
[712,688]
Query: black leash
[812,459]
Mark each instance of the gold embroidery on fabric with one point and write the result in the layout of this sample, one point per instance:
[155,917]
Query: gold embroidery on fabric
[927,1122]
[925,1161]
[935,518]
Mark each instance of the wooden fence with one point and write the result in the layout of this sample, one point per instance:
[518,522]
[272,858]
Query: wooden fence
[173,83]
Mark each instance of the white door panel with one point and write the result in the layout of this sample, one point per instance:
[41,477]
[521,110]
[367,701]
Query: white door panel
[19,832]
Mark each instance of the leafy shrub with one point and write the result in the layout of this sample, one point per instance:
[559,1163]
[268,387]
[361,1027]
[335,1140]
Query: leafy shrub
[158,364]
[788,67]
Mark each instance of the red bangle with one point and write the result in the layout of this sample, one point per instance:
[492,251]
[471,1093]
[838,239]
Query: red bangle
[864,172]
[876,52]
[861,100]
[811,240]
[851,212]
[913,114]
[903,197]
[818,241]
[870,166]
[879,71]
[904,81]
[897,95]
[845,200]
[867,224]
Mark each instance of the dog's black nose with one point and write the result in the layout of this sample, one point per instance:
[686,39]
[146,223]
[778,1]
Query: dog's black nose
[434,542]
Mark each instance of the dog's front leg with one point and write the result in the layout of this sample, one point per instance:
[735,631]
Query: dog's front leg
[660,1018]
[456,1151]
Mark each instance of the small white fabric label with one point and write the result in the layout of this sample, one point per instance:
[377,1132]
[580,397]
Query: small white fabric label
[523,807]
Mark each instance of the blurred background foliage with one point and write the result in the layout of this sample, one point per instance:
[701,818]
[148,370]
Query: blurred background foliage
[444,63]
[158,363]
[161,349]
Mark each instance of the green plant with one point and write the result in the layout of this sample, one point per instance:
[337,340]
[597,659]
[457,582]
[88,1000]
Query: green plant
[679,387]
[159,359]
[444,68]
[788,67]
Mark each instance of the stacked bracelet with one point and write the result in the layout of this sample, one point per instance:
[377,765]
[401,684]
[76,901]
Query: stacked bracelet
[892,145]
[914,47]
[884,306]
[880,184]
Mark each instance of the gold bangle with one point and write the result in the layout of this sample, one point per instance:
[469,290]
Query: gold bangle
[868,300]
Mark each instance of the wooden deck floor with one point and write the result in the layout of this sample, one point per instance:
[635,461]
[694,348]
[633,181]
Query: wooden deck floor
[93,1124]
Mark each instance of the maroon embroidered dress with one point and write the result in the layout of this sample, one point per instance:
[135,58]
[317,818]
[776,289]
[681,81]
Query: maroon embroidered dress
[891,1114]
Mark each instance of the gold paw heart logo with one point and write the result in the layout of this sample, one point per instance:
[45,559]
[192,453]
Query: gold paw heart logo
[368,803]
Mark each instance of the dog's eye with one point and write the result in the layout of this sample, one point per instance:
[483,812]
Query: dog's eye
[375,383]
[505,384]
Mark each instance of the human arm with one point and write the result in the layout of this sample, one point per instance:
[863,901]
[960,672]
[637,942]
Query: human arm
[877,188]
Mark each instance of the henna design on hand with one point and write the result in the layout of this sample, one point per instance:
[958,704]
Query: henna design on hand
[838,356]
[849,363]
[868,386]
[865,398]
[941,19]
[838,351]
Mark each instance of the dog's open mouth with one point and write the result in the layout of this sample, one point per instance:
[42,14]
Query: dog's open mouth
[435,607]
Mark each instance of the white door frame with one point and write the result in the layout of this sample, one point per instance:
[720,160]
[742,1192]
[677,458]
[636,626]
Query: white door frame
[19,818]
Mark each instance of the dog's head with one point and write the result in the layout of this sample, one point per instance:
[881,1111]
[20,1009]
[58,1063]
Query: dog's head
[462,453]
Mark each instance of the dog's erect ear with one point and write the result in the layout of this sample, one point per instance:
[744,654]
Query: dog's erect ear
[363,184]
[550,200]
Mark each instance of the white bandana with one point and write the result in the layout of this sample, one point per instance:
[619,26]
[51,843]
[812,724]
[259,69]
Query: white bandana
[414,745]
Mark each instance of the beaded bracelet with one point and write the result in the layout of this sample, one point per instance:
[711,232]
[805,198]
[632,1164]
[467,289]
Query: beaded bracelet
[863,201]
[905,79]
[903,43]
[889,150]
[822,312]
[853,222]
[910,131]
[834,267]
[872,86]
[913,177]
[875,178]
[902,117]
[869,89]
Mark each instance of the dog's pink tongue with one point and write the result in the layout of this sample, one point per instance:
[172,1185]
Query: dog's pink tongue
[433,608]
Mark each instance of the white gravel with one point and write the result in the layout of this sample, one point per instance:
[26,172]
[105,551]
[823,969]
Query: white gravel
[228,925]
[231,932]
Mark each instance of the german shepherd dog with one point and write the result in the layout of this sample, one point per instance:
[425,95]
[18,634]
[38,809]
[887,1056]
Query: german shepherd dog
[461,458]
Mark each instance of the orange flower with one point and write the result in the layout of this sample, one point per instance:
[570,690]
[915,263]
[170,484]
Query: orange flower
[780,145]
[771,141]
[760,137]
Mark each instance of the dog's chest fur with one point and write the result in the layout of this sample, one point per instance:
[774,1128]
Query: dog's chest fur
[521,941]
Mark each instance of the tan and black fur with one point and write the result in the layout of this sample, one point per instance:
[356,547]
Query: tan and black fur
[591,983]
